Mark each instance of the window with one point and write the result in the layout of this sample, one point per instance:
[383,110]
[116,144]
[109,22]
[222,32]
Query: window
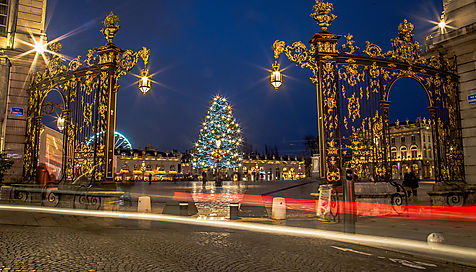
[403,151]
[3,17]
[413,138]
[424,138]
[414,152]
[393,141]
[402,139]
[393,153]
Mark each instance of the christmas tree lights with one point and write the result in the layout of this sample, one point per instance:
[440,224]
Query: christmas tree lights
[219,139]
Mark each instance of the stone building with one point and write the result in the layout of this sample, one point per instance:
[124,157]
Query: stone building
[51,151]
[411,149]
[459,40]
[20,21]
[140,164]
[257,167]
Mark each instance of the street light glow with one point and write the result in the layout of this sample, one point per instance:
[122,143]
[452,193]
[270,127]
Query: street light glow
[144,81]
[276,76]
[40,46]
[60,123]
[442,25]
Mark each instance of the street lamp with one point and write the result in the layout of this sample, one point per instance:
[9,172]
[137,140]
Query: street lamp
[144,81]
[276,76]
[442,24]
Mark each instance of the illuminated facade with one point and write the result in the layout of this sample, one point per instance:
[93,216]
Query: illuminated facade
[20,21]
[256,167]
[272,168]
[51,151]
[140,164]
[411,149]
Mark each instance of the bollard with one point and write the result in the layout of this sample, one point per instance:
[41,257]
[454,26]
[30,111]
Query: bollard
[183,208]
[279,208]
[436,238]
[234,211]
[143,205]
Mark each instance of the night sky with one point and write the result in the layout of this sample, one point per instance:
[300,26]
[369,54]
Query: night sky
[203,48]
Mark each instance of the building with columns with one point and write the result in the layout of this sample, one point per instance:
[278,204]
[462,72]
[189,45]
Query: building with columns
[138,165]
[411,149]
[458,40]
[20,21]
[257,167]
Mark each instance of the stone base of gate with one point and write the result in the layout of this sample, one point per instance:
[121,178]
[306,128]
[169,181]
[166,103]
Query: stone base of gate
[452,194]
[61,196]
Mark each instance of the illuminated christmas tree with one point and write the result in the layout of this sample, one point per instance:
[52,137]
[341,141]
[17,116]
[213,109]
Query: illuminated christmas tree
[219,139]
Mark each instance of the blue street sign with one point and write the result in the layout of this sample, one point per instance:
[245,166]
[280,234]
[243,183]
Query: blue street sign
[472,98]
[16,111]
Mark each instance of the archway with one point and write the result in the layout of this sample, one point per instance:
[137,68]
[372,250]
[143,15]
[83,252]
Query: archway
[50,157]
[410,133]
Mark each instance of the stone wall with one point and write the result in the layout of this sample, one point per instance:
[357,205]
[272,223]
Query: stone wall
[459,40]
[26,19]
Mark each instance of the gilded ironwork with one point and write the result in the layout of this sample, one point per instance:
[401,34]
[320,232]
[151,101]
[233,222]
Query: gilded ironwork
[322,14]
[88,89]
[353,87]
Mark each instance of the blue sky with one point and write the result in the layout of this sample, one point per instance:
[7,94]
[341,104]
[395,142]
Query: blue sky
[204,48]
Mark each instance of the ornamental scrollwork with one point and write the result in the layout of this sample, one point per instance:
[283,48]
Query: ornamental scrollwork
[349,48]
[322,14]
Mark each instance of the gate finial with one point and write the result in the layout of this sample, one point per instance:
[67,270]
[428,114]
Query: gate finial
[322,14]
[111,24]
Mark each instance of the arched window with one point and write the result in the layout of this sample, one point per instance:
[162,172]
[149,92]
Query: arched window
[393,153]
[414,150]
[403,152]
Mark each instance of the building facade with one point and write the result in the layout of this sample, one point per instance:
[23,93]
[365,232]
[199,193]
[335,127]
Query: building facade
[257,167]
[458,41]
[139,165]
[51,151]
[20,21]
[411,149]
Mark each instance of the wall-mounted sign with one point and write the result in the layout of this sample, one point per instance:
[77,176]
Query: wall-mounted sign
[472,99]
[16,111]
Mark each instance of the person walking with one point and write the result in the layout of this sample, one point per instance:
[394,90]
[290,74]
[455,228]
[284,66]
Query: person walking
[414,183]
[150,178]
[204,177]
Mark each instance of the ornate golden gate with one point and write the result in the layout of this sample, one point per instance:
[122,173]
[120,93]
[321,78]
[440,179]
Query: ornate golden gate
[89,90]
[352,96]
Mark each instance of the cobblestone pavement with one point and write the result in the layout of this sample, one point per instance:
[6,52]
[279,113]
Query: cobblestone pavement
[94,244]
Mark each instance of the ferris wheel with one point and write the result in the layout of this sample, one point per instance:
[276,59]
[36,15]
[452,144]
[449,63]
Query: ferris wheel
[121,142]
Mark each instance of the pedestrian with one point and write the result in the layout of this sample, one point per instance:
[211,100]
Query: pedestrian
[204,177]
[414,183]
[410,184]
[150,178]
[407,184]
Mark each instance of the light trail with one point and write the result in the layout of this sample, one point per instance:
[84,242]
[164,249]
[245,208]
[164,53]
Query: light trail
[457,254]
[465,213]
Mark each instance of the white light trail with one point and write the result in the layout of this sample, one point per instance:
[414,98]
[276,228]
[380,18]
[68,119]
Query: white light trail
[457,254]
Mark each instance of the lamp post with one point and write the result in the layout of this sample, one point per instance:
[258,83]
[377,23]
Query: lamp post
[323,44]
